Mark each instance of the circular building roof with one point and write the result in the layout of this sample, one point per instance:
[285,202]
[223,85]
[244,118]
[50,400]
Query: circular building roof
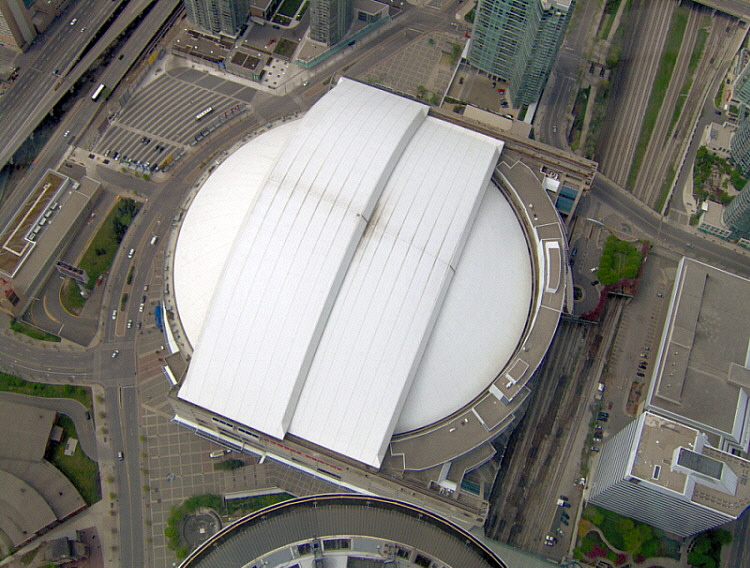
[344,529]
[351,275]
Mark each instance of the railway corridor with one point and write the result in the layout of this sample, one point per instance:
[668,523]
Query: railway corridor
[544,455]
[631,88]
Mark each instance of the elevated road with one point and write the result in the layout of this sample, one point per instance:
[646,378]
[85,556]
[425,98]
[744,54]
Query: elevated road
[738,8]
[38,90]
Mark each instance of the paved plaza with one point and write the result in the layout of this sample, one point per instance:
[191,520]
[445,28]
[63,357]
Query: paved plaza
[175,463]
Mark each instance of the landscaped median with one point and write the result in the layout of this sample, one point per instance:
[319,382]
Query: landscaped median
[101,252]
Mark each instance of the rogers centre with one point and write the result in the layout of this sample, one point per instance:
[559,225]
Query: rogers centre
[364,294]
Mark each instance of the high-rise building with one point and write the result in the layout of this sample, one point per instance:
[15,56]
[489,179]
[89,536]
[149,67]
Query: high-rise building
[330,20]
[741,91]
[16,27]
[737,215]
[666,474]
[739,147]
[517,41]
[224,17]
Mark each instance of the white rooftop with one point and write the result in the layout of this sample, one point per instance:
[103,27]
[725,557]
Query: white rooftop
[374,281]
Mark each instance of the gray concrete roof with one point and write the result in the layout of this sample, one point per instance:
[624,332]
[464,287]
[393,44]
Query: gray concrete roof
[700,373]
[24,511]
[25,429]
[376,528]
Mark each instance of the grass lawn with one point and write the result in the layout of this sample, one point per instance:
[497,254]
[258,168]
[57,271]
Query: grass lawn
[700,44]
[285,47]
[664,192]
[33,332]
[78,468]
[10,383]
[579,112]
[619,259]
[71,297]
[608,18]
[289,7]
[659,87]
[98,258]
[251,504]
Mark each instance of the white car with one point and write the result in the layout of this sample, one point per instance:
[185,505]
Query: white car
[130,324]
[140,308]
[115,353]
[66,133]
[114,314]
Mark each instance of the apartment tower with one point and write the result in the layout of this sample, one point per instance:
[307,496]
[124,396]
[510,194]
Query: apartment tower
[219,17]
[518,41]
[330,20]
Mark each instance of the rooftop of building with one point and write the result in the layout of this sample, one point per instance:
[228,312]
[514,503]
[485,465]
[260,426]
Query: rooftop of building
[453,216]
[658,440]
[26,431]
[667,449]
[16,239]
[702,372]
[345,530]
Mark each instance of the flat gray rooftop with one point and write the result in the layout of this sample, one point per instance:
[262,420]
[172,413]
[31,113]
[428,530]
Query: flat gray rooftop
[26,430]
[701,369]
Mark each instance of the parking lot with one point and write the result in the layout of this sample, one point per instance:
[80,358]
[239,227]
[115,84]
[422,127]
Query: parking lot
[183,106]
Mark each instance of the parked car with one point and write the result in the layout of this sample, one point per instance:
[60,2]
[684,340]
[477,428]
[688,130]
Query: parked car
[115,353]
[120,456]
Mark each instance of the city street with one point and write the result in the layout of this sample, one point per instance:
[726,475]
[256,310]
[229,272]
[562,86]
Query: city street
[164,463]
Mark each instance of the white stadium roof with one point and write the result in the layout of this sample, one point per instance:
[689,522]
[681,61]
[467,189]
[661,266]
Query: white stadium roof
[374,284]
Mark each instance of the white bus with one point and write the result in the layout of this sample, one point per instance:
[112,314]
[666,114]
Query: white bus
[205,112]
[97,92]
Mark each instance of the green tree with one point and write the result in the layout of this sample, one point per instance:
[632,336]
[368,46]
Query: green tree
[700,560]
[722,536]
